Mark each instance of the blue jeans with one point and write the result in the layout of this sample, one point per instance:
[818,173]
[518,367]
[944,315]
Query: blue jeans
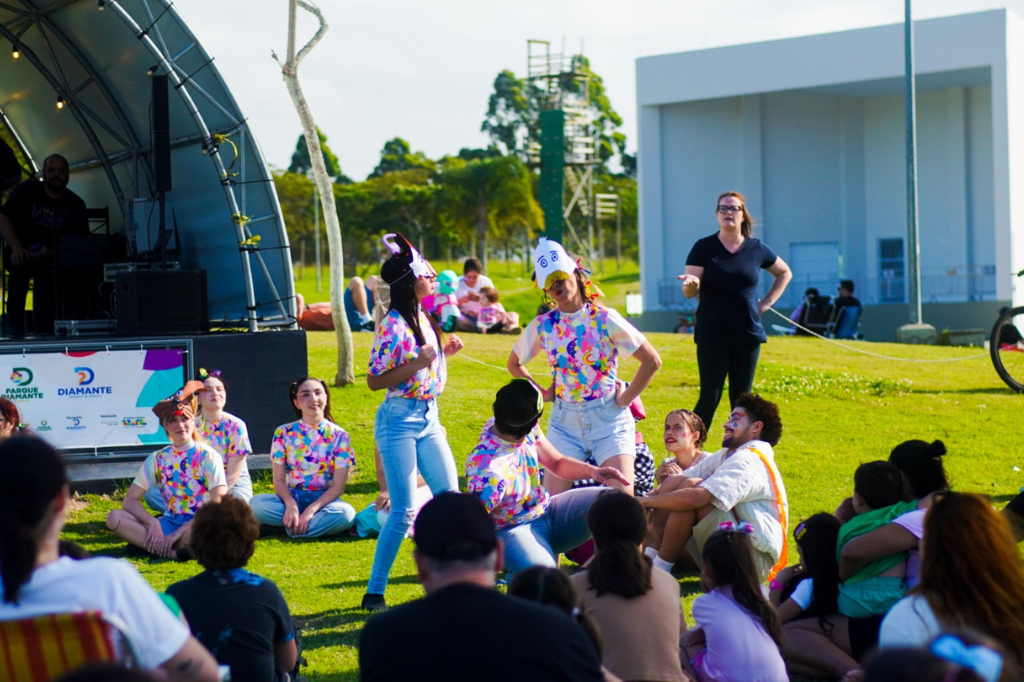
[242,490]
[410,439]
[562,527]
[336,517]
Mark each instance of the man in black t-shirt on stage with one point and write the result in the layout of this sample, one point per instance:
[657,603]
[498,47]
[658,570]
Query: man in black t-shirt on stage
[464,629]
[31,221]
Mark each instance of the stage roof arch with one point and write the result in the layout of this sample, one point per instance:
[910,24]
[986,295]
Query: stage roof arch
[222,202]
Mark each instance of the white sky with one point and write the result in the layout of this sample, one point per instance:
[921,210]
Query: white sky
[423,71]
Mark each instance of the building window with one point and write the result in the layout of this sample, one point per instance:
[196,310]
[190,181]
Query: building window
[892,271]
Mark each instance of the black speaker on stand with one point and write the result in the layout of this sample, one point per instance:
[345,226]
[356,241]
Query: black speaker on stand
[156,302]
[161,144]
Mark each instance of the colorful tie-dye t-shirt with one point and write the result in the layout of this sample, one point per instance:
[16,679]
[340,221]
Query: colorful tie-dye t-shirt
[184,478]
[394,345]
[227,435]
[506,478]
[583,349]
[310,454]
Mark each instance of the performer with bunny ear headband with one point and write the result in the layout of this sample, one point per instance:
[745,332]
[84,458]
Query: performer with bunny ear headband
[188,475]
[583,342]
[408,360]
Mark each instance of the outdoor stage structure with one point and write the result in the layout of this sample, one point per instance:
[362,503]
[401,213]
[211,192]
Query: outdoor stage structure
[169,169]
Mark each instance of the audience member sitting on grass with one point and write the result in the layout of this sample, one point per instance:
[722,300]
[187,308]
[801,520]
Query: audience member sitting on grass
[739,482]
[464,629]
[810,588]
[35,580]
[922,474]
[241,617]
[493,318]
[503,471]
[961,656]
[737,633]
[359,299]
[187,473]
[468,293]
[684,439]
[636,607]
[311,461]
[971,577]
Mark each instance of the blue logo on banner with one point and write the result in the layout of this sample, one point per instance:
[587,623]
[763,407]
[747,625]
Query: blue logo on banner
[85,376]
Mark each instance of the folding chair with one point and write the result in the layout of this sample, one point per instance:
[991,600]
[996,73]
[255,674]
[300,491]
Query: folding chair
[845,324]
[42,648]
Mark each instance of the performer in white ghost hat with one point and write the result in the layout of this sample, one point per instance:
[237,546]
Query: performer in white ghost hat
[584,341]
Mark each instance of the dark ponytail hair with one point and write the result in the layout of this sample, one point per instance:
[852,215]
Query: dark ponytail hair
[397,272]
[33,477]
[618,523]
[293,394]
[818,537]
[550,586]
[730,557]
[921,465]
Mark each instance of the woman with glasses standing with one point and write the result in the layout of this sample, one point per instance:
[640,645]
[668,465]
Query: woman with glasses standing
[723,269]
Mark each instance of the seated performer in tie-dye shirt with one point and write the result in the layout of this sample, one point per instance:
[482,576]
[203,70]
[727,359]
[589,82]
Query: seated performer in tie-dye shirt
[187,474]
[223,432]
[311,458]
[583,342]
[504,472]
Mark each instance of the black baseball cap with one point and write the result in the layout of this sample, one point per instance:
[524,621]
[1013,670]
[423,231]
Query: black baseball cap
[454,527]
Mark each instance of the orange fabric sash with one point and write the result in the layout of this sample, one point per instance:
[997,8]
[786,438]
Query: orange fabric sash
[783,520]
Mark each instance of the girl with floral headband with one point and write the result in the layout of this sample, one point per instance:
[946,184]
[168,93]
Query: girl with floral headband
[583,342]
[311,459]
[225,433]
[187,474]
[407,361]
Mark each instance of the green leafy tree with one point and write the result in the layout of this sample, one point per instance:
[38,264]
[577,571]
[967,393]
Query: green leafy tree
[300,158]
[510,109]
[397,156]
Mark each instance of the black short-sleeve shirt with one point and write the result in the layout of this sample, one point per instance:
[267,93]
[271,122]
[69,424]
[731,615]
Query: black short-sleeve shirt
[727,312]
[239,616]
[38,218]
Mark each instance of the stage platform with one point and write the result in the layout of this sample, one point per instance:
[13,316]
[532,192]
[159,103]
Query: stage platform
[257,366]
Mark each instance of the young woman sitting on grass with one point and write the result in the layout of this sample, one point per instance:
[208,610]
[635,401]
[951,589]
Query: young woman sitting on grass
[187,473]
[311,460]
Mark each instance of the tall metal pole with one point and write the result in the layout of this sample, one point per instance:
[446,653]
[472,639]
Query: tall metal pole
[913,247]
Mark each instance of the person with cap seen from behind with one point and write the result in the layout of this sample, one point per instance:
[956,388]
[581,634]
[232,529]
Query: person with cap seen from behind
[463,628]
[188,475]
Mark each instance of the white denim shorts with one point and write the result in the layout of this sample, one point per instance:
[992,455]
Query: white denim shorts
[598,428]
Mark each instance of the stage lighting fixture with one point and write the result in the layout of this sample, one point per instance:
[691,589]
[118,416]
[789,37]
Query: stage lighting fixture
[60,102]
[102,5]
[15,52]
[151,70]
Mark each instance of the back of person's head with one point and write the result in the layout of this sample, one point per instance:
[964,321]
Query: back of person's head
[618,523]
[817,537]
[490,295]
[551,587]
[847,284]
[517,407]
[971,572]
[760,410]
[33,477]
[921,466]
[728,556]
[811,292]
[10,416]
[224,534]
[454,531]
[472,265]
[878,483]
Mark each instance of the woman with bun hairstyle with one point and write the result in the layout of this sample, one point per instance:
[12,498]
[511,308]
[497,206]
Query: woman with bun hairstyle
[920,463]
[187,473]
[408,362]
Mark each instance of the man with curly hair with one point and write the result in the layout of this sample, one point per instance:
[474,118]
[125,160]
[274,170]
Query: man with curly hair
[740,482]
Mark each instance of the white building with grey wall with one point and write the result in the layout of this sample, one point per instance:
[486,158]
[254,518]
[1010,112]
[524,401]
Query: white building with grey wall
[811,131]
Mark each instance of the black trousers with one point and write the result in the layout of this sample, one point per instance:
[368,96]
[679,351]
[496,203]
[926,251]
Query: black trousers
[715,362]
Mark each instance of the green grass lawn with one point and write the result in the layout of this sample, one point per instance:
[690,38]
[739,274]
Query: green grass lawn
[839,409]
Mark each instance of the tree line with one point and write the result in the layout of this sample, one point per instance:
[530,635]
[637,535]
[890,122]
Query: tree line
[479,202]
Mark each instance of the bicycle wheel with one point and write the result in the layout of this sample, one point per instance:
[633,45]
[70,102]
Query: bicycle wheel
[1006,345]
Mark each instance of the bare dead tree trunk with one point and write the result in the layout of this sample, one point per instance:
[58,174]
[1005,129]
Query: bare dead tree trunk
[289,71]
